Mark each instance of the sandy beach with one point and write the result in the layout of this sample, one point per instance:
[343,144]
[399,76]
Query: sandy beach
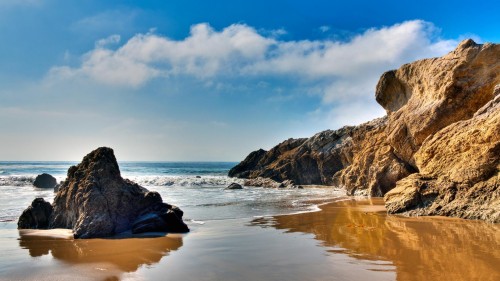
[346,240]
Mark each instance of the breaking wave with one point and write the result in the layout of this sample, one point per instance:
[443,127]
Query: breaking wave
[187,181]
[16,180]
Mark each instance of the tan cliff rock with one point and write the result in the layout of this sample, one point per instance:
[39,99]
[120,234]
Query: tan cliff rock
[425,96]
[449,129]
[372,168]
[459,171]
[435,153]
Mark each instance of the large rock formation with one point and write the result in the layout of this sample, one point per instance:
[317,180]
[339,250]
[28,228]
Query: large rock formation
[357,158]
[95,201]
[459,171]
[441,123]
[425,96]
[446,123]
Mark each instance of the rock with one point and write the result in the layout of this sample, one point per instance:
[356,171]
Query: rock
[45,181]
[95,201]
[251,162]
[262,182]
[56,188]
[357,158]
[35,216]
[370,166]
[451,124]
[234,186]
[169,219]
[198,177]
[435,153]
[425,96]
[459,171]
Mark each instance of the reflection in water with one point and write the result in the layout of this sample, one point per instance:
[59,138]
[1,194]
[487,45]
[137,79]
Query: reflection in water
[420,248]
[126,255]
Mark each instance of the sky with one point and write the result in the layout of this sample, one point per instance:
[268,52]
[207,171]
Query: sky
[206,80]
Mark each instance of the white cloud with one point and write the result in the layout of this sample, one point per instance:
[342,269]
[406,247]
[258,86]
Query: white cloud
[113,39]
[341,72]
[324,28]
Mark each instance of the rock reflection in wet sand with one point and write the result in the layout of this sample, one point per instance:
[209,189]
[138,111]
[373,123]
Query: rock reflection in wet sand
[422,248]
[108,255]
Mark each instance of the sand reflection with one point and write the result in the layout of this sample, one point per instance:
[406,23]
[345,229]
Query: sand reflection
[125,255]
[420,248]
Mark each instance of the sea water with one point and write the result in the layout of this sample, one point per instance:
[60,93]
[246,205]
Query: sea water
[198,188]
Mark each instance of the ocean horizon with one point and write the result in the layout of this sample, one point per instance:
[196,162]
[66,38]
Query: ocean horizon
[198,188]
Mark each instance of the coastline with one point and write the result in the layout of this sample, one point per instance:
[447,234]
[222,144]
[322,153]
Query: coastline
[349,239]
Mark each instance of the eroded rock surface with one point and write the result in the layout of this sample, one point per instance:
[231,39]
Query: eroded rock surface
[459,171]
[425,96]
[358,158]
[36,216]
[95,201]
[435,153]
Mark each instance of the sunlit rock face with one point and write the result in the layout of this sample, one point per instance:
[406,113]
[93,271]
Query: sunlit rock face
[449,129]
[436,152]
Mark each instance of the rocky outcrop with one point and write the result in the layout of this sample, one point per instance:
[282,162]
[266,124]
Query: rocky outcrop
[450,125]
[242,170]
[95,201]
[435,153]
[45,181]
[357,158]
[36,216]
[425,96]
[459,171]
[370,165]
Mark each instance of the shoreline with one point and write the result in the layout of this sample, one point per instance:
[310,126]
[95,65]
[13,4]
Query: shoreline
[351,239]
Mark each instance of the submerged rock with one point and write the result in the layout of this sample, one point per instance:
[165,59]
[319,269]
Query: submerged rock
[234,185]
[36,216]
[95,201]
[45,181]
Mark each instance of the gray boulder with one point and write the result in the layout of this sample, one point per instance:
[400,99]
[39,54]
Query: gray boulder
[45,181]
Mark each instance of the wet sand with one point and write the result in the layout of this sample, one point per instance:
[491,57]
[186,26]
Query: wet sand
[348,240]
[423,248]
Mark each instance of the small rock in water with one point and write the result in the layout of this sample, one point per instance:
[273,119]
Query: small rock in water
[45,181]
[234,186]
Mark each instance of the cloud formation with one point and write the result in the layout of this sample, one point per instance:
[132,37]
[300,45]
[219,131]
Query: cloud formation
[341,72]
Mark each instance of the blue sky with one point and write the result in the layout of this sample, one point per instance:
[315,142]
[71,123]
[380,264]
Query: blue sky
[206,80]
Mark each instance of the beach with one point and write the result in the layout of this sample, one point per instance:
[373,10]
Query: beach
[351,239]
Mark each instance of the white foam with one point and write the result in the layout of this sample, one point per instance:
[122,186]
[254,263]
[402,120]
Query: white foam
[16,180]
[22,180]
[186,181]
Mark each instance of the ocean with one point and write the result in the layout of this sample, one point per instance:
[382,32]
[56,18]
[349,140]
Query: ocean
[198,188]
[249,234]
